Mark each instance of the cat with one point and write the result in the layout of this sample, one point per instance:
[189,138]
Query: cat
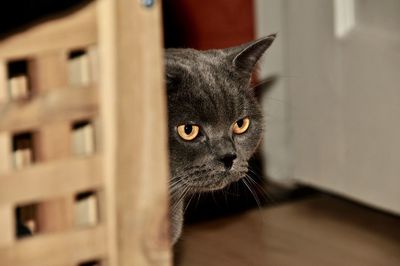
[215,123]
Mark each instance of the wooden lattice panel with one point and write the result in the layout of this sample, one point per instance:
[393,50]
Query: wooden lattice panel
[40,101]
[73,167]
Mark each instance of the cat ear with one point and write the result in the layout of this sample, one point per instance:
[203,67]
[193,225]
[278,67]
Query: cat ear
[246,56]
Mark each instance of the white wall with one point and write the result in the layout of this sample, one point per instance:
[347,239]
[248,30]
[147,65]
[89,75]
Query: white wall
[276,140]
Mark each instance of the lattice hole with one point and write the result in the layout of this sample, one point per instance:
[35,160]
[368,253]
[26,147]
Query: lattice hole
[18,79]
[86,209]
[23,150]
[83,138]
[82,67]
[91,263]
[26,217]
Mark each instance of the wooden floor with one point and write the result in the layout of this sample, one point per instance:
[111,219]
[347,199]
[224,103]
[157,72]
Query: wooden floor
[322,230]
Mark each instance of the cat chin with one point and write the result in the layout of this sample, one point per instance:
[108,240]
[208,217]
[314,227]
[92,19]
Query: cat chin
[220,181]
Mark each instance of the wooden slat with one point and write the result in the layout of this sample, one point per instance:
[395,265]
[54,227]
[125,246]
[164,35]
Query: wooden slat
[7,225]
[68,248]
[133,94]
[107,123]
[52,179]
[48,71]
[7,220]
[6,161]
[57,105]
[3,82]
[53,140]
[72,31]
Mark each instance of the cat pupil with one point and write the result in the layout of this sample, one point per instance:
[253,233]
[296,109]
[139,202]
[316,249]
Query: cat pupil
[240,123]
[188,129]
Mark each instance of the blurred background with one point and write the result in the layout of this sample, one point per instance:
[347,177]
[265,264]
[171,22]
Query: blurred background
[332,112]
[329,165]
[327,177]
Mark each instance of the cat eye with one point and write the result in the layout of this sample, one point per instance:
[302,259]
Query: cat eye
[188,131]
[241,126]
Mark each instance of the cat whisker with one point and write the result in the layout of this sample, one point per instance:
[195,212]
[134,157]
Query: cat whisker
[180,198]
[198,199]
[225,197]
[252,192]
[215,201]
[229,193]
[248,178]
[261,189]
[188,203]
[174,185]
[255,197]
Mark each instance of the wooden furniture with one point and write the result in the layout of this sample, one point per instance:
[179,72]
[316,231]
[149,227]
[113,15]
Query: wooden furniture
[93,75]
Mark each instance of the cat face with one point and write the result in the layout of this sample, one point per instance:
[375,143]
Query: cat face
[215,122]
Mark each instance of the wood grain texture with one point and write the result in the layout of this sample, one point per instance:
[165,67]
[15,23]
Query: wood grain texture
[319,231]
[135,131]
[50,180]
[75,30]
[67,248]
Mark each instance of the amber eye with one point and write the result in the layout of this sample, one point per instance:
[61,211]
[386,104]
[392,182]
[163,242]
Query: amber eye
[188,131]
[241,126]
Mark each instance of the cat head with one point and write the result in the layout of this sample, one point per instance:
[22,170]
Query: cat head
[215,122]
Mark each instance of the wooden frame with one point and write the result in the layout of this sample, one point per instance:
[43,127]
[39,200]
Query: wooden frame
[129,169]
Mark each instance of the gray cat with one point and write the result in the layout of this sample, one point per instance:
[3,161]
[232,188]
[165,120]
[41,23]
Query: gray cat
[215,122]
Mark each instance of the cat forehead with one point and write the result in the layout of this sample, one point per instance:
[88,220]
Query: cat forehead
[215,106]
[194,64]
[191,57]
[208,90]
[195,68]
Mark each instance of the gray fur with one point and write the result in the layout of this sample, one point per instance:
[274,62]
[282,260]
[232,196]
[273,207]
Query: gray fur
[210,89]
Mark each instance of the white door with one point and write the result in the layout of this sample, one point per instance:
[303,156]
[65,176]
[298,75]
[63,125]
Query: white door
[341,76]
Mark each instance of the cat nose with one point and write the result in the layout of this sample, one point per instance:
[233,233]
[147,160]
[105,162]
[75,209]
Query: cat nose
[227,160]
